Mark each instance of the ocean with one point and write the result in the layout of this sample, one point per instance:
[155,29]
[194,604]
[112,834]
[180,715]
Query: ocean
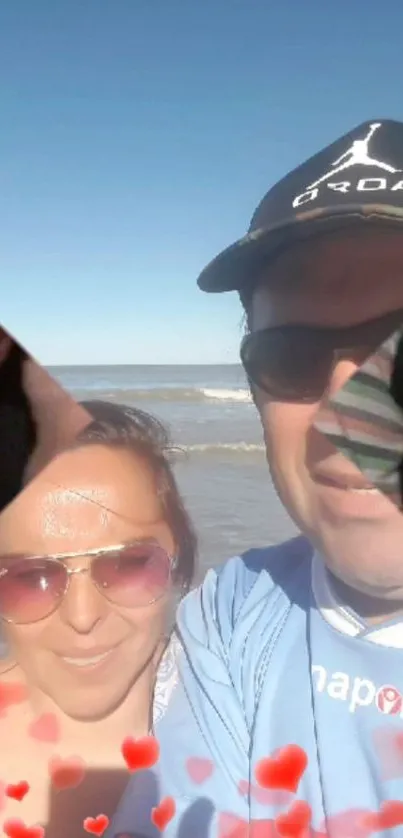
[221,469]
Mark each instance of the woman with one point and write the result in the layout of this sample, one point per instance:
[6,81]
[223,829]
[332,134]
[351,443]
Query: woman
[91,553]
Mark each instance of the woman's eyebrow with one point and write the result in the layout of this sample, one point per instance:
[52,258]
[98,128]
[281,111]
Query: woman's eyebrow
[141,539]
[5,557]
[71,554]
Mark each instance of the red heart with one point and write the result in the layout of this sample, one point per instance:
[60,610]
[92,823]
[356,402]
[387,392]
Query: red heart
[295,822]
[199,769]
[18,791]
[140,753]
[229,826]
[66,773]
[262,829]
[350,822]
[11,694]
[96,825]
[282,771]
[163,813]
[267,797]
[45,728]
[389,816]
[389,748]
[17,829]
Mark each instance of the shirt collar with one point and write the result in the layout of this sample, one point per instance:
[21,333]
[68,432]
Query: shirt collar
[344,619]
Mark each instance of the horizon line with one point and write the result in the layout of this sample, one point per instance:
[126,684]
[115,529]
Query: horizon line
[211,364]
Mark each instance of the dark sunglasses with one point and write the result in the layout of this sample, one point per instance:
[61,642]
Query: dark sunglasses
[293,363]
[132,576]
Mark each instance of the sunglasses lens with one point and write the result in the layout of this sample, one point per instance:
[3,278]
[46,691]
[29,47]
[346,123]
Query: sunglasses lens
[30,589]
[133,576]
[286,367]
[293,363]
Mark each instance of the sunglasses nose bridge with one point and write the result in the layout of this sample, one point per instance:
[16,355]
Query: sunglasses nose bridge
[82,570]
[91,570]
[81,606]
[75,571]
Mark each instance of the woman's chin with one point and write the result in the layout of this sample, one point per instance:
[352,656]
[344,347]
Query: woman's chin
[88,708]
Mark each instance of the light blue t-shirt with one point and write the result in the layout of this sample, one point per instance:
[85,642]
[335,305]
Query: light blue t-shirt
[268,657]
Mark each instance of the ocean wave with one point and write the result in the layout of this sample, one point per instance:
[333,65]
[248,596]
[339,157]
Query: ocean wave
[173,394]
[229,447]
[228,395]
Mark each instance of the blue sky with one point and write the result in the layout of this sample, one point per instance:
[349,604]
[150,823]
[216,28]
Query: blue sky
[137,136]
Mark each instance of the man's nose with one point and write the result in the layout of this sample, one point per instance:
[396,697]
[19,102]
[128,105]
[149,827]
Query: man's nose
[342,371]
[83,605]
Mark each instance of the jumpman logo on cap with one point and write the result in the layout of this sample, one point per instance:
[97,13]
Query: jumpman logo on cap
[357,155]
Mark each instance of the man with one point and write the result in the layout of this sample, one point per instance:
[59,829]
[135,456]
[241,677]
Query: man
[332,258]
[302,644]
[37,418]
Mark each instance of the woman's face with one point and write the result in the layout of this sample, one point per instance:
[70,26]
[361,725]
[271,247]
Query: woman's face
[87,499]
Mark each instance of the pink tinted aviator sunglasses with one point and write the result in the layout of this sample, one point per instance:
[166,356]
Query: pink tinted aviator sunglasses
[128,575]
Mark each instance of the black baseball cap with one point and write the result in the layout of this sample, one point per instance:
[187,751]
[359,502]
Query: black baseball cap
[357,179]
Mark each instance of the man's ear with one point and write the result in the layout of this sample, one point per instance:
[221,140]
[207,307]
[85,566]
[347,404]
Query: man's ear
[58,417]
[5,345]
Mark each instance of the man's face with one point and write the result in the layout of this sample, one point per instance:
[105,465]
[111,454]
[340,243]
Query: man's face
[334,281]
[5,345]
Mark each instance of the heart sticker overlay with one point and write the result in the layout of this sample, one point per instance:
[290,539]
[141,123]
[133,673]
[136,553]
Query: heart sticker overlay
[389,816]
[139,754]
[130,835]
[13,693]
[96,826]
[45,728]
[283,770]
[295,822]
[66,773]
[162,814]
[267,797]
[199,769]
[15,828]
[231,826]
[351,822]
[17,791]
[389,748]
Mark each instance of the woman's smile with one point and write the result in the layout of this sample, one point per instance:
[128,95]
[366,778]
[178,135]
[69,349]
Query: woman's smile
[86,662]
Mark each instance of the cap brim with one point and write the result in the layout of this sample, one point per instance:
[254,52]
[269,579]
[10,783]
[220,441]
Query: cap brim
[240,263]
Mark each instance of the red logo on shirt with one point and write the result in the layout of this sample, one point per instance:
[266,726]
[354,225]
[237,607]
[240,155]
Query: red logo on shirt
[388,700]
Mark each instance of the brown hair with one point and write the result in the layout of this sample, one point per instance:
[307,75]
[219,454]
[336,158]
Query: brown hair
[128,427]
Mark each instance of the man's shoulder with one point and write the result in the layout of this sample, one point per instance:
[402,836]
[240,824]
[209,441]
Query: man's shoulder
[229,624]
[259,585]
[280,565]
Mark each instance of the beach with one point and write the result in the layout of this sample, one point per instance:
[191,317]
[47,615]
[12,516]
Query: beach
[221,467]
